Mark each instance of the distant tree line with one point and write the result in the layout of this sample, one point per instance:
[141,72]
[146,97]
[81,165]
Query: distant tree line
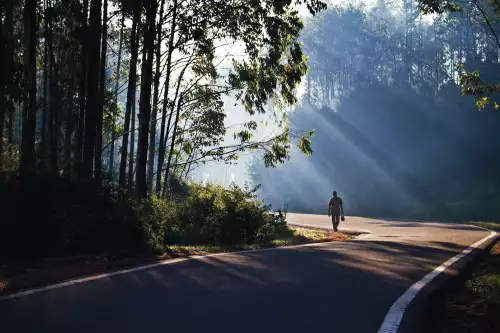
[394,134]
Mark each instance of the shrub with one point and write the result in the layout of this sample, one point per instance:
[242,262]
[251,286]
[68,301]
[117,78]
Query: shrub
[212,214]
[52,217]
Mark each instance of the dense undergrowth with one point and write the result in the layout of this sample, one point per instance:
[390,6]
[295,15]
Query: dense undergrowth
[52,216]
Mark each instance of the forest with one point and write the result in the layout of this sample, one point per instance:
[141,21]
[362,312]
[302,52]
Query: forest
[404,109]
[108,105]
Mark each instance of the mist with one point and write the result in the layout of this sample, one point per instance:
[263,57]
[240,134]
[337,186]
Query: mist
[394,135]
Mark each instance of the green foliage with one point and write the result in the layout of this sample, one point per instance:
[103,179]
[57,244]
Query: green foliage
[112,111]
[10,159]
[305,145]
[65,219]
[472,84]
[211,214]
[438,6]
[279,150]
[487,287]
[470,81]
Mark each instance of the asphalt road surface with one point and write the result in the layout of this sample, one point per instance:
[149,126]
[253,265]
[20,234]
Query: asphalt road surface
[344,287]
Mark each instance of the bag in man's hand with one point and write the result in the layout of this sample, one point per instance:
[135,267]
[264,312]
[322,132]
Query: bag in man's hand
[342,218]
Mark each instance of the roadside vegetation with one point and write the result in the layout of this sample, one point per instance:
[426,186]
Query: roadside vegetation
[108,106]
[212,219]
[475,306]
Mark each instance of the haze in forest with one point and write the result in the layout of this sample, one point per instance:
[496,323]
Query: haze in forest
[394,135]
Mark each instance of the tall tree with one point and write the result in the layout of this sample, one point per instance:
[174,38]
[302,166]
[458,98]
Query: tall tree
[163,129]
[30,107]
[156,92]
[92,108]
[82,87]
[134,47]
[145,99]
[43,143]
[117,86]
[102,96]
[3,100]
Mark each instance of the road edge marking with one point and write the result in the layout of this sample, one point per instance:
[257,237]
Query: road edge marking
[393,318]
[144,267]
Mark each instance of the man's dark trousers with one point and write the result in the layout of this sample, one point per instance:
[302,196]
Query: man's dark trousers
[335,222]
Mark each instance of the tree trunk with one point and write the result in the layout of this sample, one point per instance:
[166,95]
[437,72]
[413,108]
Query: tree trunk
[132,153]
[130,97]
[54,113]
[92,109]
[172,144]
[43,144]
[145,101]
[181,141]
[152,130]
[8,54]
[164,131]
[130,183]
[102,90]
[3,101]
[69,122]
[29,121]
[117,86]
[82,89]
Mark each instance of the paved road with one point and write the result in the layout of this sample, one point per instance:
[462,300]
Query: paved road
[332,287]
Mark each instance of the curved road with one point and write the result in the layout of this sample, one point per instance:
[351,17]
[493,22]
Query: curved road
[331,287]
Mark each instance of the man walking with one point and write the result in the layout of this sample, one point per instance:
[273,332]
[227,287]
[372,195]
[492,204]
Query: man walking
[335,209]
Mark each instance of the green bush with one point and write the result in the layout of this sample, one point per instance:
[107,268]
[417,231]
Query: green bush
[55,217]
[211,214]
[10,160]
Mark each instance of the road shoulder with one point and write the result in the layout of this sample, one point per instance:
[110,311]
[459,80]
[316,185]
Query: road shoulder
[65,271]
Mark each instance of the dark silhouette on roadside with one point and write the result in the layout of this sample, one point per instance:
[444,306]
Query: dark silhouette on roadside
[335,210]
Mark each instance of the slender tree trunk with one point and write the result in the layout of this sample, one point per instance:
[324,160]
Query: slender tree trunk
[70,125]
[130,97]
[29,121]
[3,80]
[152,130]
[43,144]
[82,90]
[181,141]
[132,153]
[102,90]
[10,130]
[55,104]
[92,109]
[145,101]
[50,114]
[172,144]
[164,131]
[117,86]
[130,183]
[7,70]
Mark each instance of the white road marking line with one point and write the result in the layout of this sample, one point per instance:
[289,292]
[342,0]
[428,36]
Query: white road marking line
[393,318]
[143,267]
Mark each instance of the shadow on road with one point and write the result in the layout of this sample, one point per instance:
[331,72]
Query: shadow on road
[309,289]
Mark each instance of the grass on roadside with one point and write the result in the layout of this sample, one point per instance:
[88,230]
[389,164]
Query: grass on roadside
[475,308]
[53,270]
[489,225]
[290,236]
